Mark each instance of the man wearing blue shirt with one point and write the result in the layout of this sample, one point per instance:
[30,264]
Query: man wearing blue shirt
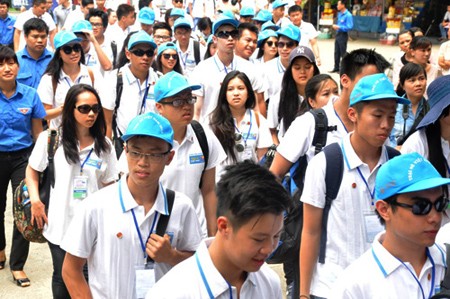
[34,58]
[344,24]
[7,27]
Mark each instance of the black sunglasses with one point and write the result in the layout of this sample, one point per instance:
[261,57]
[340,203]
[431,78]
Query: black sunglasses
[68,49]
[423,205]
[271,43]
[178,1]
[85,109]
[226,34]
[167,56]
[140,52]
[289,45]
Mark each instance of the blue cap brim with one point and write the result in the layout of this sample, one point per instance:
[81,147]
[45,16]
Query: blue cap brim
[179,89]
[227,21]
[389,96]
[426,184]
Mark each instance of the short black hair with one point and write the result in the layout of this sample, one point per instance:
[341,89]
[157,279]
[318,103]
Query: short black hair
[85,3]
[39,2]
[353,63]
[247,190]
[6,53]
[35,24]
[124,10]
[95,12]
[204,23]
[295,8]
[420,42]
[162,25]
[389,200]
[144,3]
[5,2]
[247,26]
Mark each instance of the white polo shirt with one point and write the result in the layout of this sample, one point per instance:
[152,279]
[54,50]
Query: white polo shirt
[272,114]
[187,59]
[25,16]
[210,73]
[346,239]
[298,138]
[104,233]
[263,284]
[275,72]
[99,171]
[444,51]
[307,33]
[132,102]
[91,57]
[45,89]
[117,34]
[377,274]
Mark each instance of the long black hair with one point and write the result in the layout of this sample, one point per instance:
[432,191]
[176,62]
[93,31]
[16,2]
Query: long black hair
[177,67]
[122,58]
[290,107]
[69,124]
[221,119]
[261,50]
[55,65]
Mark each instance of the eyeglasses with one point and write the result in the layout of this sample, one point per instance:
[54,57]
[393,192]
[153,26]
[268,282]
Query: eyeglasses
[226,34]
[178,1]
[85,109]
[288,45]
[168,56]
[181,102]
[162,37]
[423,205]
[97,24]
[140,52]
[272,43]
[152,157]
[68,49]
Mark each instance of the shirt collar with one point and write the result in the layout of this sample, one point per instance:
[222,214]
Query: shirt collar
[131,79]
[20,89]
[351,158]
[45,54]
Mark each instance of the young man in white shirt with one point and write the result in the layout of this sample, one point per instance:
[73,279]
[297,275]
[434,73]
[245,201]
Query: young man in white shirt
[99,22]
[114,231]
[231,265]
[78,14]
[126,17]
[409,202]
[278,13]
[350,227]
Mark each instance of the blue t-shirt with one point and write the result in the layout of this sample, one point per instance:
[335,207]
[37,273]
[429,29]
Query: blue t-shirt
[16,114]
[345,21]
[31,70]
[7,30]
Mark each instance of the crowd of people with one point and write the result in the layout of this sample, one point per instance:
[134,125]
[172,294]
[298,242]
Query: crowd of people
[181,131]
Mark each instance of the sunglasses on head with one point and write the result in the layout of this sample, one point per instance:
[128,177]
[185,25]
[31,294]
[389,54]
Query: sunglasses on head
[423,206]
[140,52]
[226,34]
[167,56]
[289,45]
[272,43]
[85,109]
[68,49]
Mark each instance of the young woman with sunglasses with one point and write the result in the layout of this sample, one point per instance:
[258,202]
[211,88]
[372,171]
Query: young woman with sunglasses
[168,59]
[243,133]
[267,45]
[85,162]
[64,70]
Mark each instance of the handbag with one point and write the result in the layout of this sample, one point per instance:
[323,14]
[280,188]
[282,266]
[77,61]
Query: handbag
[21,200]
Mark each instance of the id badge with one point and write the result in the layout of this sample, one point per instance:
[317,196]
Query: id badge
[145,279]
[80,187]
[248,153]
[372,226]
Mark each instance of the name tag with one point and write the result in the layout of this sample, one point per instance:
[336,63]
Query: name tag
[196,159]
[80,187]
[372,226]
[145,279]
[94,163]
[251,136]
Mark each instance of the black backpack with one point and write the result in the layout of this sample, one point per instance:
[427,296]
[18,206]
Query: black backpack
[203,141]
[445,284]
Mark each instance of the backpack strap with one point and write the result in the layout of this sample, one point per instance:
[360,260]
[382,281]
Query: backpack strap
[333,178]
[321,130]
[163,220]
[445,285]
[203,141]
[392,152]
[114,51]
[425,109]
[119,89]
[196,52]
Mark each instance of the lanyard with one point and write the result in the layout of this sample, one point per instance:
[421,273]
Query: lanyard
[345,128]
[68,82]
[185,58]
[85,160]
[280,66]
[205,281]
[224,67]
[249,129]
[88,58]
[144,99]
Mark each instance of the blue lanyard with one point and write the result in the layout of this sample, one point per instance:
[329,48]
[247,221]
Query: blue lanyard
[88,59]
[144,99]
[85,160]
[224,67]
[345,128]
[249,129]
[185,58]
[280,66]
[205,281]
[68,82]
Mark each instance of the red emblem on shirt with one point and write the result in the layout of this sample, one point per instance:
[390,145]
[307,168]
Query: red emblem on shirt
[24,110]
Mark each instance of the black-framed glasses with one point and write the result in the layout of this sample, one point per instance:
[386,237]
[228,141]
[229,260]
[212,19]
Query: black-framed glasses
[85,109]
[288,45]
[423,206]
[162,37]
[226,34]
[272,43]
[152,157]
[181,102]
[140,52]
[97,24]
[68,49]
[168,56]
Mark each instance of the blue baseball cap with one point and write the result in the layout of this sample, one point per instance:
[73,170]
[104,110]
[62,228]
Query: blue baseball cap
[375,87]
[278,3]
[152,125]
[166,46]
[177,12]
[406,173]
[170,84]
[141,37]
[81,26]
[290,31]
[263,16]
[438,99]
[228,13]
[65,37]
[247,11]
[269,25]
[265,34]
[181,22]
[224,20]
[146,16]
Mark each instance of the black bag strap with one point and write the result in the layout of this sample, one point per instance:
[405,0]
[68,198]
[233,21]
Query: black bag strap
[119,89]
[196,52]
[445,285]
[51,149]
[333,178]
[392,152]
[163,220]
[203,141]
[425,109]
[114,51]
[321,129]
